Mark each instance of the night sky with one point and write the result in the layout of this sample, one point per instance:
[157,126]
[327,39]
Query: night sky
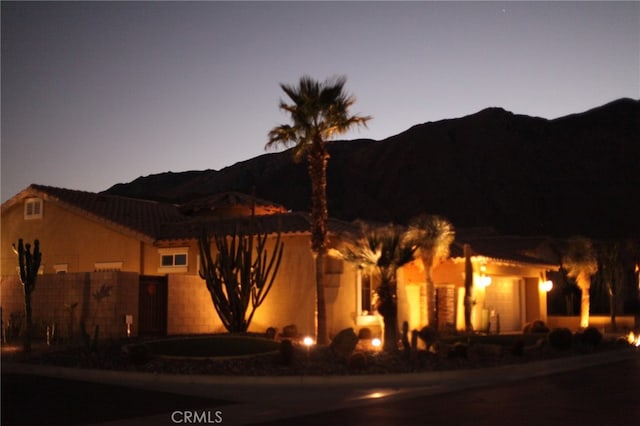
[96,93]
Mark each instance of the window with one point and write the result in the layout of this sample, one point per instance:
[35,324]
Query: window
[169,260]
[366,298]
[61,268]
[174,260]
[33,208]
[366,295]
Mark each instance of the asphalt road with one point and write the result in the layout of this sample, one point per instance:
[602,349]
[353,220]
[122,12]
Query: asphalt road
[599,395]
[36,400]
[607,395]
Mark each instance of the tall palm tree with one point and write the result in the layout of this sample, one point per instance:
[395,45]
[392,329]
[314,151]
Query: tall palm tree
[318,112]
[433,235]
[382,250]
[581,263]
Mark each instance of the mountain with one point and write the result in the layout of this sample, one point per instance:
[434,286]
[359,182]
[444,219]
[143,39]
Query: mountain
[578,174]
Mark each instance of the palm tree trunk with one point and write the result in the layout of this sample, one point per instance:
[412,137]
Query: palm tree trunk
[468,284]
[388,308]
[584,283]
[612,308]
[322,337]
[318,159]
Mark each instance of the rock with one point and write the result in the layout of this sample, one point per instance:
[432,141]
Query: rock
[344,343]
[290,331]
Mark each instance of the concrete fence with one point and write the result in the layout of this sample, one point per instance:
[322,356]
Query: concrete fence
[601,322]
[61,302]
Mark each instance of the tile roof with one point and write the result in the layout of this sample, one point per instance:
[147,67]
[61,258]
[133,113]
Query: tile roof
[156,221]
[226,200]
[286,223]
[140,216]
[162,221]
[531,250]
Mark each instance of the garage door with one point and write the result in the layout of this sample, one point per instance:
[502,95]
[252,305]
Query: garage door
[505,296]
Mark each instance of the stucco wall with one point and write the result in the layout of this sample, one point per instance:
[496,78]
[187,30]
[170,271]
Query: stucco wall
[189,307]
[55,293]
[66,238]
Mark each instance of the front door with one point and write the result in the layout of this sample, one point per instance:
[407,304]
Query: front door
[152,305]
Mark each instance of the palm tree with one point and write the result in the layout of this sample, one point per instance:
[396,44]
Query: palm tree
[612,273]
[433,235]
[318,111]
[383,250]
[581,263]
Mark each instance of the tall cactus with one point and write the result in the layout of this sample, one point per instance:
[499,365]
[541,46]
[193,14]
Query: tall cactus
[241,274]
[29,265]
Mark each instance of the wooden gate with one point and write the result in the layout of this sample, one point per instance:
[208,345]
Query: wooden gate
[152,306]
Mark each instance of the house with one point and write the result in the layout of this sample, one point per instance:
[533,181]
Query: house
[145,254]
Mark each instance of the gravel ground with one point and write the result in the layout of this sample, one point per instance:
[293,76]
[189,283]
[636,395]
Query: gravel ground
[319,361]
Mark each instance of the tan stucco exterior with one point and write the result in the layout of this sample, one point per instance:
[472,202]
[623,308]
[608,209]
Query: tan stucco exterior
[85,243]
[67,237]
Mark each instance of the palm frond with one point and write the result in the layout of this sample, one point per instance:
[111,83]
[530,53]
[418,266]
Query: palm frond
[315,108]
[432,234]
[580,257]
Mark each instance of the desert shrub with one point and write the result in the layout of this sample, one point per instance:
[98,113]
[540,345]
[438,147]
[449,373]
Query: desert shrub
[428,335]
[458,350]
[537,326]
[591,336]
[623,343]
[560,338]
[271,333]
[357,361]
[364,333]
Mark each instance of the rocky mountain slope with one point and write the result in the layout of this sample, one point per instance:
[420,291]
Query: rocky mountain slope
[578,174]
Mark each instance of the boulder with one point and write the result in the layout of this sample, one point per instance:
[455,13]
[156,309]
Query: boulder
[344,343]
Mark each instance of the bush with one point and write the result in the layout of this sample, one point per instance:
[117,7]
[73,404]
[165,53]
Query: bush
[458,350]
[139,354]
[428,335]
[591,336]
[560,338]
[537,326]
[271,333]
[358,361]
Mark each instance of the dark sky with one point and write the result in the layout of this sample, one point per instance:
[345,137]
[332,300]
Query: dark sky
[96,93]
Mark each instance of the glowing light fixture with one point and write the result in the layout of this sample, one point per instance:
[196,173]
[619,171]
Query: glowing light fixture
[633,339]
[375,342]
[308,341]
[546,286]
[484,281]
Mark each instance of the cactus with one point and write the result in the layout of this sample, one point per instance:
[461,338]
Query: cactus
[29,263]
[405,339]
[241,273]
[414,341]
